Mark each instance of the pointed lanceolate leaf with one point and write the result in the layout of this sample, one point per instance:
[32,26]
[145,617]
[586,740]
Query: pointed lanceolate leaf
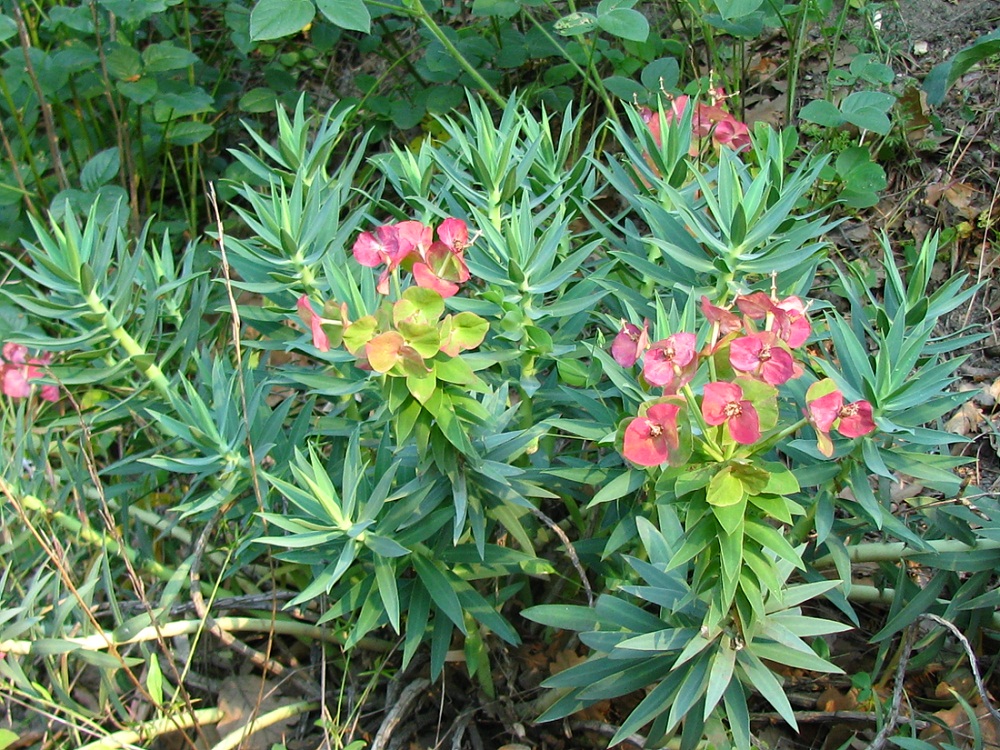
[422,388]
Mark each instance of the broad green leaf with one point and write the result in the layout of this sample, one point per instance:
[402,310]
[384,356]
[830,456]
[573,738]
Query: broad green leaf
[273,19]
[822,112]
[7,737]
[625,483]
[732,10]
[352,15]
[101,168]
[724,489]
[8,29]
[384,351]
[624,23]
[943,76]
[463,332]
[575,24]
[780,480]
[189,133]
[160,57]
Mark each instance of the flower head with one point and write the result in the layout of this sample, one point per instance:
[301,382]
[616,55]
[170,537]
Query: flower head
[828,412]
[441,268]
[650,439]
[671,362]
[320,340]
[760,355]
[791,323]
[17,370]
[724,403]
[728,322]
[630,343]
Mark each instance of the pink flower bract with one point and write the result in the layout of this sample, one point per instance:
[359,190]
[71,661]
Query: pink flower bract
[17,370]
[320,340]
[762,356]
[630,343]
[829,412]
[669,362]
[650,439]
[792,325]
[856,419]
[724,403]
[728,322]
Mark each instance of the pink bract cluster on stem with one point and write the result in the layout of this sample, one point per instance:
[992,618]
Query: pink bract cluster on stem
[757,335]
[17,370]
[410,245]
[829,412]
[708,119]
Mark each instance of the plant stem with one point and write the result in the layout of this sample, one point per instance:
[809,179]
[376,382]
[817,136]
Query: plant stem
[147,730]
[876,595]
[893,551]
[238,735]
[417,9]
[101,641]
[93,538]
[132,347]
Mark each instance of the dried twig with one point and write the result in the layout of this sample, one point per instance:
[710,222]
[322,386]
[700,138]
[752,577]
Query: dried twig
[398,712]
[983,695]
[570,551]
[882,738]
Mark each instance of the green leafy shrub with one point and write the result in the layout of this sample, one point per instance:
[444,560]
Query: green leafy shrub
[411,386]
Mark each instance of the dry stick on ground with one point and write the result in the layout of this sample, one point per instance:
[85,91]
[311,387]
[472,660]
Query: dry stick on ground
[570,551]
[228,639]
[398,712]
[983,695]
[882,738]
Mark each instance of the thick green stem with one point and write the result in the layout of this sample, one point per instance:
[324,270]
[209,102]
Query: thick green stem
[102,641]
[777,437]
[132,347]
[147,730]
[893,551]
[93,538]
[874,595]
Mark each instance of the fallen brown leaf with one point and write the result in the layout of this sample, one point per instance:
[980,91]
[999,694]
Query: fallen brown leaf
[966,420]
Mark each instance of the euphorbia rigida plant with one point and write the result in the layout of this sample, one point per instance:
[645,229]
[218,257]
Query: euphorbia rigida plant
[717,555]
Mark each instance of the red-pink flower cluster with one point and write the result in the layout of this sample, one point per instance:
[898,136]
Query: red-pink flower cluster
[829,412]
[756,347]
[17,370]
[410,245]
[708,119]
